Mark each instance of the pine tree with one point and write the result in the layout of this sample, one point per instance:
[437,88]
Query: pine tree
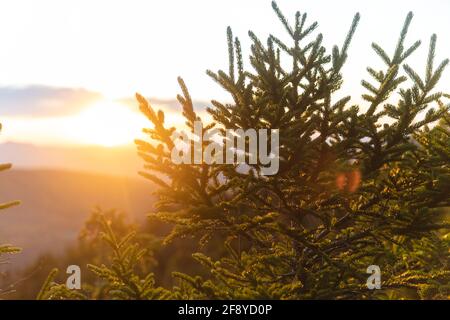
[6,248]
[358,184]
[121,277]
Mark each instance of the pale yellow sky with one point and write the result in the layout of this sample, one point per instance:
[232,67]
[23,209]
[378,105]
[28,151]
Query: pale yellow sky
[119,47]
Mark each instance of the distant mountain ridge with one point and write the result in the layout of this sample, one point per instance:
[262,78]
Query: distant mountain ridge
[55,204]
[117,161]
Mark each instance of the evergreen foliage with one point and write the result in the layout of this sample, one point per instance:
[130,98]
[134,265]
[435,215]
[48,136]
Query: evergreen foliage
[6,248]
[359,185]
[121,263]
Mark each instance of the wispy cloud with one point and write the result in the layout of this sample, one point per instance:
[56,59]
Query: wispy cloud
[45,115]
[44,101]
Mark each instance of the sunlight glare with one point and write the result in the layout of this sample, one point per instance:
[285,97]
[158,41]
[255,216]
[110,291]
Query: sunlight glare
[108,124]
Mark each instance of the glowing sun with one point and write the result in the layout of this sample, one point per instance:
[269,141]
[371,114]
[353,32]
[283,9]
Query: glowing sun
[106,123]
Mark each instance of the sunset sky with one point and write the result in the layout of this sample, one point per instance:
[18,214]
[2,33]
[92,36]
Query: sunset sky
[69,69]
